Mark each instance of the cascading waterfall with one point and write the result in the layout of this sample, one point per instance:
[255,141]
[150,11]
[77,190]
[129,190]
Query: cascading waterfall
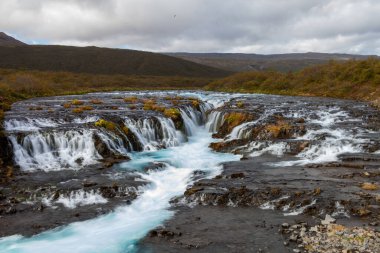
[114,142]
[215,121]
[55,150]
[154,133]
[120,230]
[241,131]
[191,119]
[37,146]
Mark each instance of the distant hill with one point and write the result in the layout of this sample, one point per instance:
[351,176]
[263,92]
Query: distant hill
[247,62]
[15,54]
[8,41]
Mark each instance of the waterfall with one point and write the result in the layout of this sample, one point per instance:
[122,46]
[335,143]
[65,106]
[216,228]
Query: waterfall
[154,133]
[214,121]
[191,119]
[114,142]
[55,150]
[241,131]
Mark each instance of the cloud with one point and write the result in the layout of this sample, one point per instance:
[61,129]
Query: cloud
[250,26]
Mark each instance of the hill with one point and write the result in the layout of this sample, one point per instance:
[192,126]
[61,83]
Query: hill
[248,62]
[15,54]
[354,79]
[8,41]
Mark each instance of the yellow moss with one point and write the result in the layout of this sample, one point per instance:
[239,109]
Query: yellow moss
[67,105]
[77,102]
[105,124]
[172,113]
[235,118]
[240,104]
[96,101]
[125,129]
[77,110]
[275,129]
[369,187]
[87,108]
[131,100]
[152,106]
[195,103]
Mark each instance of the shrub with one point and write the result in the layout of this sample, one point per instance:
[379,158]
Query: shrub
[67,105]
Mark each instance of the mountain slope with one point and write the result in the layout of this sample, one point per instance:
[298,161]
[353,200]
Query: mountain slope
[247,62]
[8,41]
[96,60]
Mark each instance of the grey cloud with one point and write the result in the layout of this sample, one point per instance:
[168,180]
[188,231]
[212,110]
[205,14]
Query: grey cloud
[260,26]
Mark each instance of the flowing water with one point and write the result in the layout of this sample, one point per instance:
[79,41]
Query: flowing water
[68,143]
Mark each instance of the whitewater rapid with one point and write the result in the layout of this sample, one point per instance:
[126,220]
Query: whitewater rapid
[120,230]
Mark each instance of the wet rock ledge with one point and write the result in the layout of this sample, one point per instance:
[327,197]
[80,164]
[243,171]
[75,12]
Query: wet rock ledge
[280,197]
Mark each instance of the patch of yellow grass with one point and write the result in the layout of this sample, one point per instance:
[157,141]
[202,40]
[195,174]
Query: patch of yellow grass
[369,187]
[106,124]
[77,102]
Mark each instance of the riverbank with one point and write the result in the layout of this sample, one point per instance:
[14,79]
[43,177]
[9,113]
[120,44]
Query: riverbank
[300,165]
[354,79]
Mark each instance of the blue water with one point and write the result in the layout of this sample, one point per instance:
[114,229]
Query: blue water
[120,230]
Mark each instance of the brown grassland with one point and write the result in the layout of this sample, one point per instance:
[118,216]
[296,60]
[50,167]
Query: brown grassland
[354,79]
[17,85]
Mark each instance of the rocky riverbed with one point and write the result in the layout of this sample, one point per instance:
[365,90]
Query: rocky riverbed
[300,160]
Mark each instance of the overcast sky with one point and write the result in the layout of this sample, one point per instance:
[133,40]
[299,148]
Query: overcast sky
[247,26]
